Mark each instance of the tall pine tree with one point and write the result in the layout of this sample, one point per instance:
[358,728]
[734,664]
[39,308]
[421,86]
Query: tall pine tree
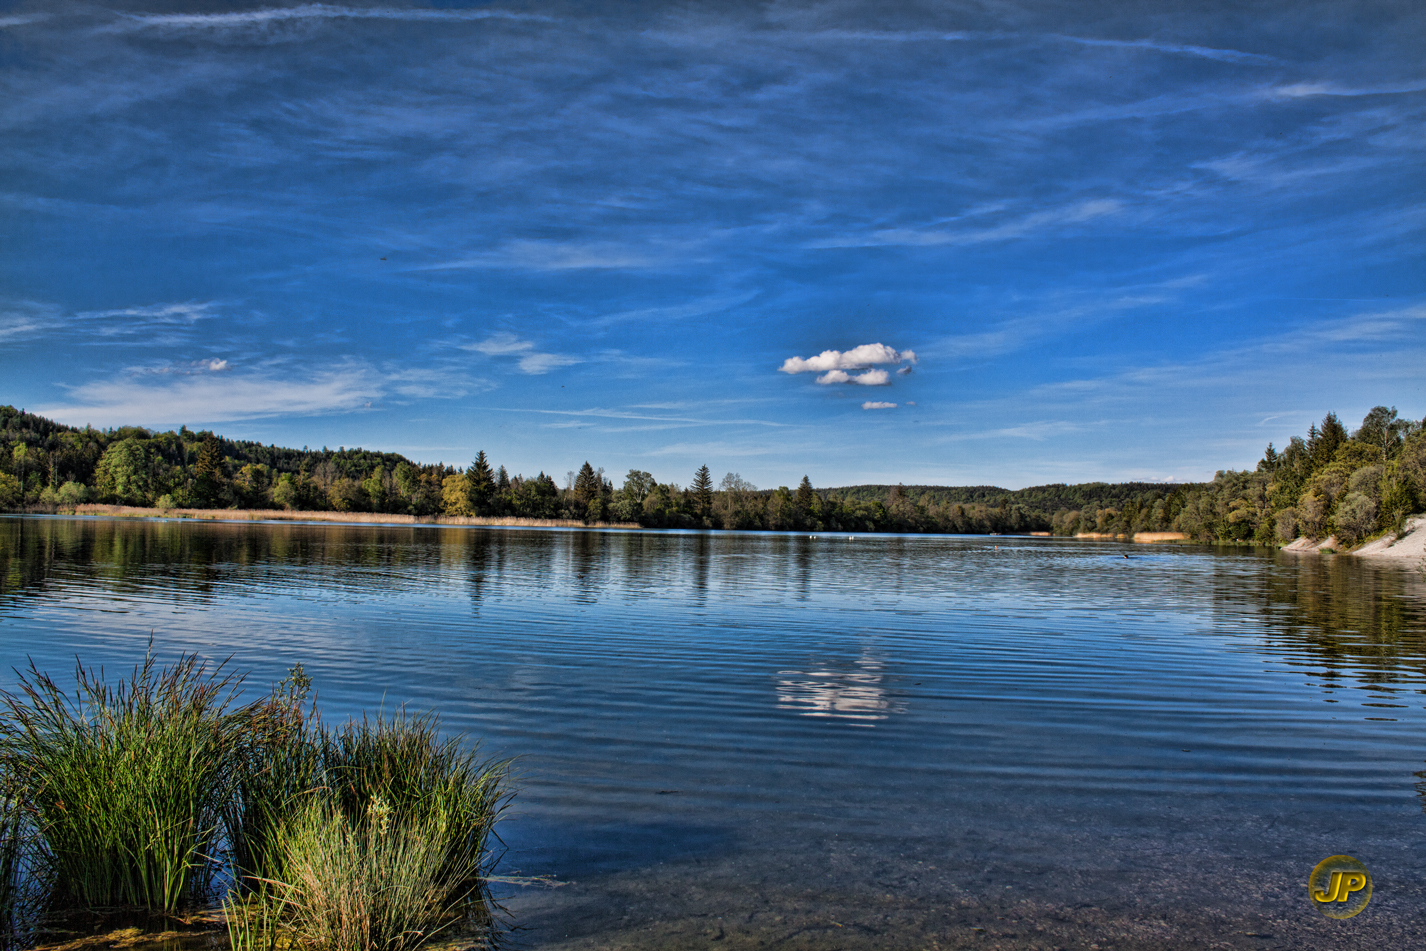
[805,494]
[703,491]
[482,484]
[586,485]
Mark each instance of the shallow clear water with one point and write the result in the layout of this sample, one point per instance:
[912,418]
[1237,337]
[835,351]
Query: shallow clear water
[745,740]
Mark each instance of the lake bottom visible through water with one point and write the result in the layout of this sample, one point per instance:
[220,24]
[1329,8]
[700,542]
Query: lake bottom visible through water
[757,740]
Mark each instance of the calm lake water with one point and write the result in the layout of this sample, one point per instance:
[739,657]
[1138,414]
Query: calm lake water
[769,740]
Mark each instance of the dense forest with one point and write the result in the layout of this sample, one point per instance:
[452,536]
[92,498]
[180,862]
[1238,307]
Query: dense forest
[1330,482]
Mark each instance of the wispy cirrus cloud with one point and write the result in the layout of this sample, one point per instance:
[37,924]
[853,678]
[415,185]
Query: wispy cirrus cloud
[1306,90]
[554,256]
[317,11]
[703,306]
[188,368]
[529,360]
[1023,226]
[1180,49]
[217,397]
[22,19]
[632,420]
[38,319]
[1219,54]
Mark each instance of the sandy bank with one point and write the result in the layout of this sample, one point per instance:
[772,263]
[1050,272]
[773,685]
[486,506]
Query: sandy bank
[1312,544]
[1409,546]
[358,518]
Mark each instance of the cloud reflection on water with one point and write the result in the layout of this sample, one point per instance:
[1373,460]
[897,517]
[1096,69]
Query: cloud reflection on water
[857,694]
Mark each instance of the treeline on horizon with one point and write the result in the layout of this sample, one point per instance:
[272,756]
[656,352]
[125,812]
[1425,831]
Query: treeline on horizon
[1329,482]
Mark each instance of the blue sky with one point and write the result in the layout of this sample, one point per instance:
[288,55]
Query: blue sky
[1008,243]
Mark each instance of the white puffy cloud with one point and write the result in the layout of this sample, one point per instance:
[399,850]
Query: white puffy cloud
[857,358]
[869,378]
[869,404]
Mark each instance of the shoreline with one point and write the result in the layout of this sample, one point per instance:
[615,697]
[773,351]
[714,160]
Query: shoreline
[1408,547]
[347,518]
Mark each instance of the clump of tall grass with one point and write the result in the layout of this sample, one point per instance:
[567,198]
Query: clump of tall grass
[422,780]
[389,849]
[375,883]
[277,762]
[370,837]
[126,783]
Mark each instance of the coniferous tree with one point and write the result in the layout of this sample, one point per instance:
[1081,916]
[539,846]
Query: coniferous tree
[805,494]
[586,485]
[702,490]
[482,484]
[1329,439]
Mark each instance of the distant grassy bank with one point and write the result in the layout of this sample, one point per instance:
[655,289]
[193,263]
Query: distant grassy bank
[359,518]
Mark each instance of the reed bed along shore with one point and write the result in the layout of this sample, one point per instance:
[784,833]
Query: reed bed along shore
[356,518]
[162,792]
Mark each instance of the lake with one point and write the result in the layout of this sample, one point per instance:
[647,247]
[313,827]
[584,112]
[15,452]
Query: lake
[737,740]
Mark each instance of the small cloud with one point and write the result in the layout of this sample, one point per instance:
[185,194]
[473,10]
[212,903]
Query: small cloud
[538,363]
[869,378]
[878,405]
[857,358]
[501,343]
[531,360]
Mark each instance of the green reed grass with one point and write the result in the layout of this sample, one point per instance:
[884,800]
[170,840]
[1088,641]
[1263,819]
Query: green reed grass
[391,847]
[278,764]
[19,860]
[127,782]
[425,781]
[376,883]
[253,920]
[370,837]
